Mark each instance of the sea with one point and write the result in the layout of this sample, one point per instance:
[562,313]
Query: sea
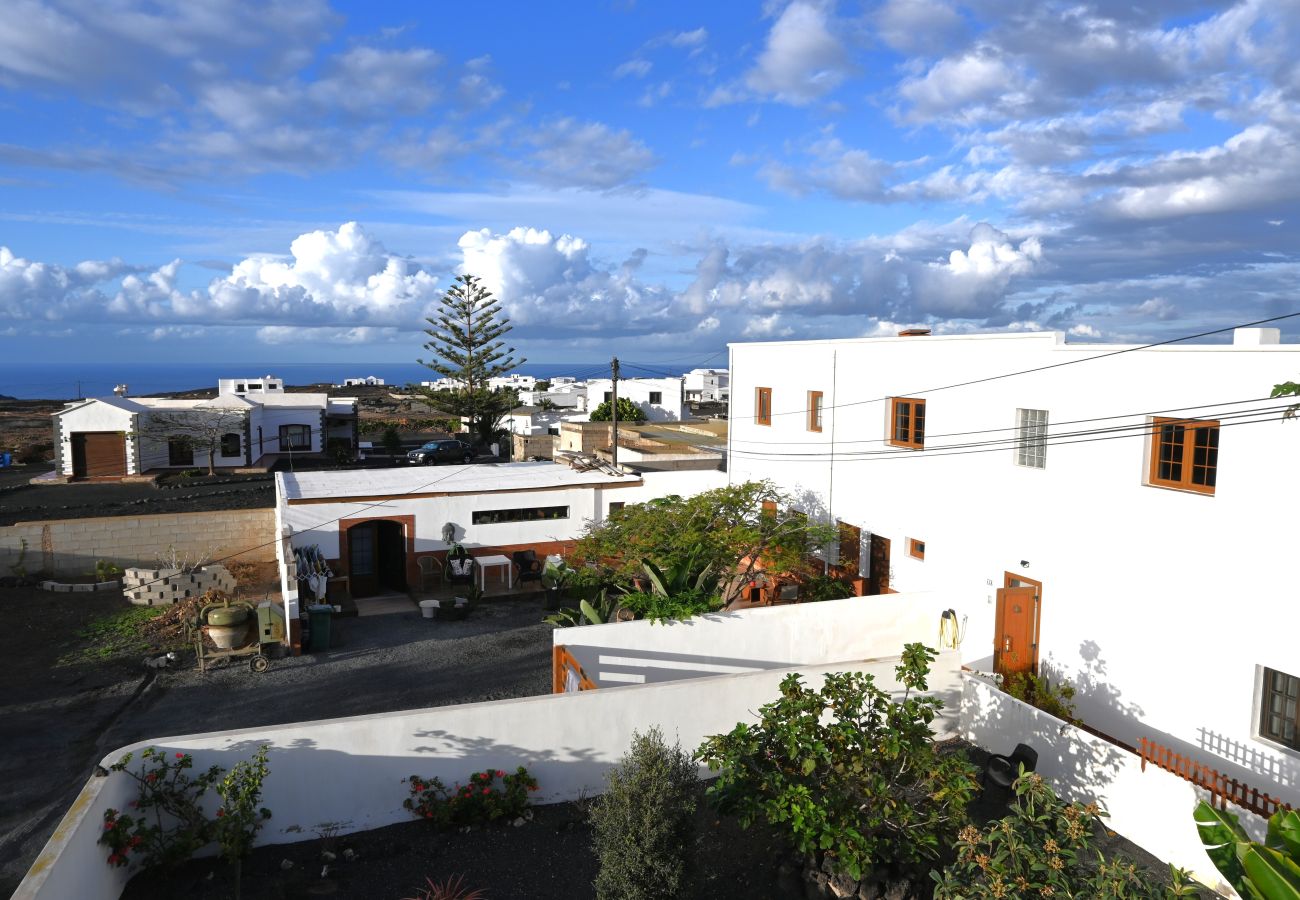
[69,381]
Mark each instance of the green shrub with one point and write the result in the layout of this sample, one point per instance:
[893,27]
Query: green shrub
[847,772]
[1053,699]
[1042,850]
[644,822]
[167,824]
[824,587]
[663,608]
[479,802]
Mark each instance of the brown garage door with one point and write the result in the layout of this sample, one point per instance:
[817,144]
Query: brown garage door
[97,454]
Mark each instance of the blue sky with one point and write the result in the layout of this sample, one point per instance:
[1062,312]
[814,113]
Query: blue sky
[300,180]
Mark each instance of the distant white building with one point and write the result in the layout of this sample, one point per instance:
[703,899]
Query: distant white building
[118,436]
[367,381]
[661,399]
[514,380]
[567,394]
[707,385]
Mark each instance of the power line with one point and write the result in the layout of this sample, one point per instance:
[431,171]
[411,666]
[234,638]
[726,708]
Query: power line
[1058,365]
[1265,415]
[883,440]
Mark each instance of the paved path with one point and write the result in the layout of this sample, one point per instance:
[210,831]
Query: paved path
[386,662]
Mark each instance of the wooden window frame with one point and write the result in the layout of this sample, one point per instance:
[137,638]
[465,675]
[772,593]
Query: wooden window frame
[916,548]
[763,406]
[1192,429]
[815,410]
[909,437]
[1293,715]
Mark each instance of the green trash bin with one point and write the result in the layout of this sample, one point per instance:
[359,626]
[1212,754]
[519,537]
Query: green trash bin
[318,617]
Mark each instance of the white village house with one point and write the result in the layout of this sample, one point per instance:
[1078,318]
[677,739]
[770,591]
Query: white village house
[259,423]
[1124,516]
[707,385]
[661,399]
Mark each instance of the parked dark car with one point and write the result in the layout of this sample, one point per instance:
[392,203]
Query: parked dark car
[436,452]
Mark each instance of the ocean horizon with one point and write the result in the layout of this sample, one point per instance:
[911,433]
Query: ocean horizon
[68,381]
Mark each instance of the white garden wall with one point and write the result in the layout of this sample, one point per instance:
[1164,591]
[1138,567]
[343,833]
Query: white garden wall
[1151,808]
[752,640]
[350,770]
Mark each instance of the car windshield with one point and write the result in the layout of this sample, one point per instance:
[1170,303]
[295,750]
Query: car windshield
[432,445]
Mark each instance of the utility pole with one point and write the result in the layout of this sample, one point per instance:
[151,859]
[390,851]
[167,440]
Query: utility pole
[613,406]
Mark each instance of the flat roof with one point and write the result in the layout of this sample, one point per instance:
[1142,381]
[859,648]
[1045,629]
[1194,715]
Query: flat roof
[482,478]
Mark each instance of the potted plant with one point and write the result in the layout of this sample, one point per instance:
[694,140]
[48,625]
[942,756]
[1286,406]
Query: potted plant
[555,576]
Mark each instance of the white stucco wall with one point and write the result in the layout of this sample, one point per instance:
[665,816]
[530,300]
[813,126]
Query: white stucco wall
[1159,605]
[270,418]
[751,640]
[638,390]
[350,771]
[94,417]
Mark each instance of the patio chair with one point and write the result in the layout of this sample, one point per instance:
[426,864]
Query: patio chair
[1004,770]
[430,567]
[460,567]
[527,566]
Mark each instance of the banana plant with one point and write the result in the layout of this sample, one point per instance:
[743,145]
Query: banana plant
[1268,871]
[683,575]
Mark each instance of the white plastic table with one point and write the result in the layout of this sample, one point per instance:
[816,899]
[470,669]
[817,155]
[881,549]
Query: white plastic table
[486,562]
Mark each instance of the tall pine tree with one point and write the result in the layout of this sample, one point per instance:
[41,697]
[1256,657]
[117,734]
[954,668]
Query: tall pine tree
[465,339]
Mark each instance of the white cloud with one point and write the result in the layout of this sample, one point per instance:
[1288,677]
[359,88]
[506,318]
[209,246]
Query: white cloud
[636,68]
[586,154]
[1084,330]
[962,87]
[693,40]
[292,334]
[803,60]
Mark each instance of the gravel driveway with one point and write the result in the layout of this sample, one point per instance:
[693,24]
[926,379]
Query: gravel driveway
[59,722]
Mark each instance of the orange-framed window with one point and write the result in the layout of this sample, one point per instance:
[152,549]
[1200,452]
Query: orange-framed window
[814,410]
[763,406]
[916,548]
[1185,454]
[907,422]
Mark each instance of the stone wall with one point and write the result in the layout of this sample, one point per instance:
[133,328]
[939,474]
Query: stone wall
[70,547]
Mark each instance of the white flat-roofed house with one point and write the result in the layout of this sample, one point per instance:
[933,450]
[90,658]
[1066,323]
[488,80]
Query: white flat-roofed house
[706,385]
[251,422]
[1126,512]
[366,381]
[661,399]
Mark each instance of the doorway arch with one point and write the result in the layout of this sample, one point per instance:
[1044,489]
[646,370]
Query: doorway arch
[376,551]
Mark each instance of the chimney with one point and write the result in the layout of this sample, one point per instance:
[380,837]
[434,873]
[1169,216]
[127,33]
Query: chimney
[914,332]
[1256,337]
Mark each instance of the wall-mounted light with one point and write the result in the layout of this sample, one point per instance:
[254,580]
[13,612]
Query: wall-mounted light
[1024,564]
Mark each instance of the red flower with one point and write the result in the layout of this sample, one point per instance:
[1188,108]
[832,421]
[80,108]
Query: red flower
[151,777]
[180,755]
[428,814]
[500,774]
[220,813]
[532,787]
[108,826]
[487,790]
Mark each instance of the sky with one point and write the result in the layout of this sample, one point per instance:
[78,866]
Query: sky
[300,180]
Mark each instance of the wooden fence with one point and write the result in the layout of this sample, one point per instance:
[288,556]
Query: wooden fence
[1222,789]
[566,674]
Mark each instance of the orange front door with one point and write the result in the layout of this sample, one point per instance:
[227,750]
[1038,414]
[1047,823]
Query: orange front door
[1015,647]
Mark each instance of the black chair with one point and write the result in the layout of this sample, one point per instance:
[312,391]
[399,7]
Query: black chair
[527,566]
[1004,770]
[460,568]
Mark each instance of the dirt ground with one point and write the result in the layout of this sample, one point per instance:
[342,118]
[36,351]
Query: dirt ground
[65,706]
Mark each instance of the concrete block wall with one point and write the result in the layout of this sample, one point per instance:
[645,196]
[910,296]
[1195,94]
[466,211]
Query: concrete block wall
[163,587]
[70,547]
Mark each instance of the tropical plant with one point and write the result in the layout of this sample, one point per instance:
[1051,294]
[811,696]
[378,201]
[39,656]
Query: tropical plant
[1038,691]
[241,814]
[454,888]
[846,771]
[627,412]
[643,825]
[679,606]
[724,531]
[1043,849]
[167,823]
[465,340]
[1268,871]
[600,610]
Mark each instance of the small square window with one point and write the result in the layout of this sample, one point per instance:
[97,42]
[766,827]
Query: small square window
[616,505]
[814,410]
[916,548]
[763,406]
[609,396]
[657,397]
[1279,715]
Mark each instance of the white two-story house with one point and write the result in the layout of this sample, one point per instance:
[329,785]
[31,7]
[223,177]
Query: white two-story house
[1127,515]
[661,399]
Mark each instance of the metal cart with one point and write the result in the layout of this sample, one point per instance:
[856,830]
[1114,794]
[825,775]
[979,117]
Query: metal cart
[264,625]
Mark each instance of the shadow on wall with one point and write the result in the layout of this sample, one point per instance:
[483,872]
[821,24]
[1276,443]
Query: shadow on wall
[1264,769]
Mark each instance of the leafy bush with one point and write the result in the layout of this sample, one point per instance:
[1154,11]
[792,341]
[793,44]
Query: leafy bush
[169,824]
[480,801]
[665,607]
[627,412]
[1042,850]
[644,822]
[1055,700]
[847,771]
[241,814]
[824,587]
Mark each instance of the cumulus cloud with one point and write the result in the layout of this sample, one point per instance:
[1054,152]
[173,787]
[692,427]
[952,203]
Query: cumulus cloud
[803,60]
[567,151]
[636,68]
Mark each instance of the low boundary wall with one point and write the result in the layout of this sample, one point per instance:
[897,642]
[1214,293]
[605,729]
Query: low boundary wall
[752,640]
[350,770]
[71,546]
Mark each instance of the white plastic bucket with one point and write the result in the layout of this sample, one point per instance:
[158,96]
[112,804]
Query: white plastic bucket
[428,608]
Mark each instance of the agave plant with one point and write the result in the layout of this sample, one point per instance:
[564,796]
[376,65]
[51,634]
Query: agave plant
[1267,871]
[683,575]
